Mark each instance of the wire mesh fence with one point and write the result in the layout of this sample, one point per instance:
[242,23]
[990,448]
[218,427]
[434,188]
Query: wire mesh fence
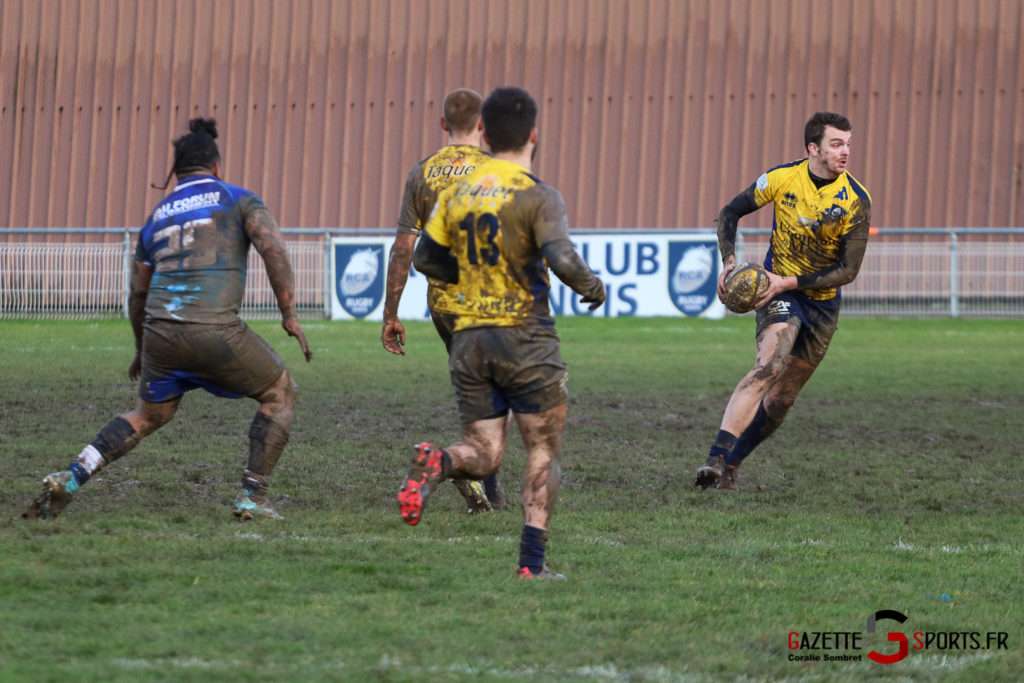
[906,272]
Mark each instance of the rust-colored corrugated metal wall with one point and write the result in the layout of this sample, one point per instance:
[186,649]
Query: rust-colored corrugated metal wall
[653,112]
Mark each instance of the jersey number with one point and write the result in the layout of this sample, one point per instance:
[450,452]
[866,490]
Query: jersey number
[482,230]
[182,243]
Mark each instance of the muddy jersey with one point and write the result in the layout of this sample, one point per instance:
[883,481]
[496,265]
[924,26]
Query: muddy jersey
[424,183]
[495,221]
[810,224]
[195,240]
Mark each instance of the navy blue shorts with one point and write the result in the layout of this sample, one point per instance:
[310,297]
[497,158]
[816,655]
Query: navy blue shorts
[818,322]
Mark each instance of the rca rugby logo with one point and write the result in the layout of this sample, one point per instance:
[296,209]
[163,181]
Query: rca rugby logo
[692,276]
[359,269]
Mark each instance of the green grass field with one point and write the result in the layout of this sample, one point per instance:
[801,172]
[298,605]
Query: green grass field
[897,477]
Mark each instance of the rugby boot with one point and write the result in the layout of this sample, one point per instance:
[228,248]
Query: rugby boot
[545,573]
[730,476]
[423,476]
[57,490]
[473,493]
[710,473]
[249,506]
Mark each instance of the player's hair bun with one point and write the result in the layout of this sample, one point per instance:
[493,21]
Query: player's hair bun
[201,125]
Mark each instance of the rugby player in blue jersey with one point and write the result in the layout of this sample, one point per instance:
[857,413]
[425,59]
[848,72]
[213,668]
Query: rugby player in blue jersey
[819,234]
[187,282]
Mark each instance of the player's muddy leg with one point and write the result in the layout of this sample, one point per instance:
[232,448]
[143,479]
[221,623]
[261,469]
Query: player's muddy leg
[479,439]
[493,489]
[480,450]
[772,410]
[774,344]
[268,435]
[476,455]
[542,436]
[773,348]
[115,439]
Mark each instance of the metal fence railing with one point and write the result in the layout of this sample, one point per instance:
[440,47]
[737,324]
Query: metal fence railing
[967,272]
[921,272]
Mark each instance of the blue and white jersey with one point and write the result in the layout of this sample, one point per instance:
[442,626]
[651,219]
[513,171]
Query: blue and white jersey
[196,242]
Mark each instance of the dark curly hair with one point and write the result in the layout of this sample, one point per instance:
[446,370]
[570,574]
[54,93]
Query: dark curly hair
[194,151]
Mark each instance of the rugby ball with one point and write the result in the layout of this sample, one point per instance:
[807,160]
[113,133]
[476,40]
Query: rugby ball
[744,286]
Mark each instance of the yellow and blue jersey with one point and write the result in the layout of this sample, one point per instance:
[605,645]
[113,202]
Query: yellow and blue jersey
[424,183]
[494,221]
[810,223]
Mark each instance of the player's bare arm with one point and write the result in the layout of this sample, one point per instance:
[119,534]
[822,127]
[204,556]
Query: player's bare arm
[265,235]
[573,271]
[399,260]
[435,260]
[141,276]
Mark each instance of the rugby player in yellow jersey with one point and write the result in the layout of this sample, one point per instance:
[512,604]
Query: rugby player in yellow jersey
[460,157]
[819,234]
[496,232]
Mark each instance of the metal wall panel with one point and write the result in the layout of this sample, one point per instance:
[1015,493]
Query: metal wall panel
[653,112]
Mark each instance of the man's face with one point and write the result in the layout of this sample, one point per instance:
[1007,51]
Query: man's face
[831,157]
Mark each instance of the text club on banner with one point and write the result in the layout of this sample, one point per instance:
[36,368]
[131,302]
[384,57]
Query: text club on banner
[653,273]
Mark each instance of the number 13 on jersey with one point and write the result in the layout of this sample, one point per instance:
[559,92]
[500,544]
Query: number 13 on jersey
[481,238]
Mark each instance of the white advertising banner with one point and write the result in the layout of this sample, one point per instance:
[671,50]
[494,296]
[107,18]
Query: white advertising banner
[649,273]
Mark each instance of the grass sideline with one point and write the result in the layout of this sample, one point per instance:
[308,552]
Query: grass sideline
[896,478]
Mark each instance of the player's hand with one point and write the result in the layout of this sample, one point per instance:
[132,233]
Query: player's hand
[777,284]
[136,367]
[727,268]
[595,296]
[294,329]
[393,336]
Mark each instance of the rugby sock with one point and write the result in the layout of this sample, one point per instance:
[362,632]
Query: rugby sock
[491,486]
[115,439]
[267,440]
[88,462]
[760,428]
[531,548]
[724,443]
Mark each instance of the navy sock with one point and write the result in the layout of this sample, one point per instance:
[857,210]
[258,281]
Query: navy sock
[724,443]
[531,548]
[759,429]
[491,486]
[446,465]
[81,475]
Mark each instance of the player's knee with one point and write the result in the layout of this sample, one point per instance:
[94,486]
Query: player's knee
[282,395]
[151,417]
[767,372]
